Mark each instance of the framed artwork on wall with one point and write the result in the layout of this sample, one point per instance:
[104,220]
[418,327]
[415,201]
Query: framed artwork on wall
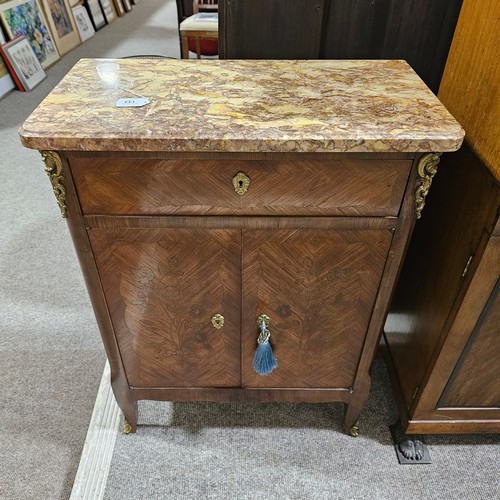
[83,22]
[95,12]
[120,9]
[2,36]
[23,63]
[109,10]
[62,25]
[25,18]
[6,81]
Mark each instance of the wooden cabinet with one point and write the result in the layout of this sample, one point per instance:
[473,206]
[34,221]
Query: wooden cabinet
[270,29]
[443,326]
[171,255]
[418,31]
[234,197]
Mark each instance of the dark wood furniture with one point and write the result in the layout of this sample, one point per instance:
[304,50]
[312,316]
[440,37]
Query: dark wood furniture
[232,197]
[443,330]
[184,9]
[418,31]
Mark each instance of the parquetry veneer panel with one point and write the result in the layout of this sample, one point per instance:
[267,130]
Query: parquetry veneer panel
[319,286]
[190,187]
[162,288]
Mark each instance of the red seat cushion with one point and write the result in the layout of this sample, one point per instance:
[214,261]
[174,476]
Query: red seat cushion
[207,47]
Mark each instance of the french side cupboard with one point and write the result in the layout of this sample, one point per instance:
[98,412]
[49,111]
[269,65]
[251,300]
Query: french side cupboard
[243,188]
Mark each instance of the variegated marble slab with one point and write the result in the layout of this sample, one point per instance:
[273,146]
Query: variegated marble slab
[243,106]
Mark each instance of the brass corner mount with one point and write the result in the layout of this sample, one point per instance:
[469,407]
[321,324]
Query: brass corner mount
[53,168]
[426,169]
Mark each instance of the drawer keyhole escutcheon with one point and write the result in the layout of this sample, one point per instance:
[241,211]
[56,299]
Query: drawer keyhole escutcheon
[217,321]
[241,183]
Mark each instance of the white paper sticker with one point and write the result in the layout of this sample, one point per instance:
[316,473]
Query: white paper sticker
[137,102]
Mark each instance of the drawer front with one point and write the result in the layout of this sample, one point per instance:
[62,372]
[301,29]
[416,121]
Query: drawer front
[195,187]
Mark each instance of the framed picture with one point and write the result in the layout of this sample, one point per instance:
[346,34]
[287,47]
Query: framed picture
[61,24]
[83,22]
[6,81]
[128,5]
[95,13]
[22,60]
[2,36]
[109,10]
[120,9]
[25,18]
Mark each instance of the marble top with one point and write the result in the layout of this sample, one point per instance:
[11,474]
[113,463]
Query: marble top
[242,106]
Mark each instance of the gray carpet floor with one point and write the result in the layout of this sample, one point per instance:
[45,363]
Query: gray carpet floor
[51,357]
[51,360]
[292,451]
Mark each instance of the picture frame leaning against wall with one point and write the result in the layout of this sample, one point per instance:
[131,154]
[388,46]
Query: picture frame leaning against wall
[26,18]
[95,13]
[22,61]
[83,22]
[62,25]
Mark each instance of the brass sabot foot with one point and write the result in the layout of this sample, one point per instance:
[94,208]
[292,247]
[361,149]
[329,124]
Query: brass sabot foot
[127,428]
[354,430]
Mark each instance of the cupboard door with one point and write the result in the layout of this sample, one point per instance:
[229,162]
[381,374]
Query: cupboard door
[474,382]
[318,287]
[162,288]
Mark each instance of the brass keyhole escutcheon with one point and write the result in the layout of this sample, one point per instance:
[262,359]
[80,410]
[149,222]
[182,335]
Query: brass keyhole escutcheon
[241,183]
[217,321]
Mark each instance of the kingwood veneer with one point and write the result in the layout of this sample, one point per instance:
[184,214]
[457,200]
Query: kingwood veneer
[339,157]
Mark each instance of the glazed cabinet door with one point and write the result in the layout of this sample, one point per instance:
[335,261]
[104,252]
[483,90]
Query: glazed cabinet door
[318,287]
[163,287]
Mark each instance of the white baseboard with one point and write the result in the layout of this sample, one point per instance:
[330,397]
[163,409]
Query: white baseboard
[92,474]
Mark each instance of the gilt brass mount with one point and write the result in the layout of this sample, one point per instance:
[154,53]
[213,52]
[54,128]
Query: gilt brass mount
[354,430]
[427,168]
[217,321]
[263,318]
[53,168]
[241,183]
[127,428]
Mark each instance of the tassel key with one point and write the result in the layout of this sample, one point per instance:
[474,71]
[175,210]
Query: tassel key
[264,361]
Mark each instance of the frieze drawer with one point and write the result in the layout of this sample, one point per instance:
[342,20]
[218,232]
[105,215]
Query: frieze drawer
[193,187]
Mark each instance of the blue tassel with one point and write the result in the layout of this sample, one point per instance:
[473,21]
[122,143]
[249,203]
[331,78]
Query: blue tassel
[264,361]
